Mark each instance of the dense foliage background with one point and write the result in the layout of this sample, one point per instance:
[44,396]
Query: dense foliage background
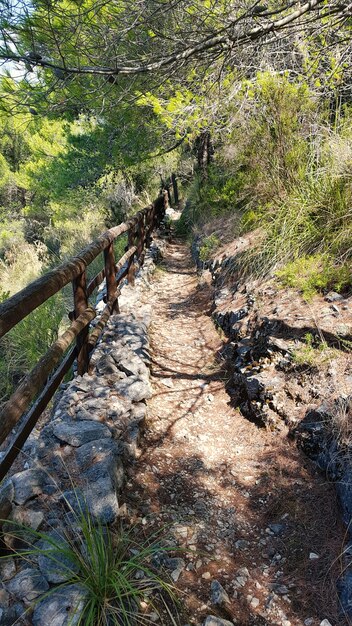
[100,101]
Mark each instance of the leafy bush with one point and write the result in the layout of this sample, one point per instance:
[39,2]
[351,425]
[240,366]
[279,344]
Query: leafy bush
[209,245]
[285,171]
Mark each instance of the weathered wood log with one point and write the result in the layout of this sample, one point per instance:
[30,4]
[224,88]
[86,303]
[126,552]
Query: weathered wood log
[110,276]
[80,299]
[125,258]
[140,241]
[36,379]
[150,223]
[131,266]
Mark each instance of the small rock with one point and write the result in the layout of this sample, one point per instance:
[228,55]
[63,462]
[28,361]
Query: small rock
[325,622]
[27,517]
[182,531]
[241,544]
[254,603]
[206,575]
[28,584]
[83,414]
[102,501]
[309,621]
[62,607]
[4,599]
[243,571]
[332,296]
[12,615]
[174,563]
[54,564]
[212,620]
[240,581]
[134,389]
[106,365]
[175,575]
[277,529]
[313,556]
[342,329]
[177,566]
[7,569]
[218,596]
[167,382]
[154,616]
[80,432]
[281,590]
[99,459]
[30,483]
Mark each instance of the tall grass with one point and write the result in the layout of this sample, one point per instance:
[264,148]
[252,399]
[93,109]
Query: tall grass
[114,568]
[27,342]
[286,171]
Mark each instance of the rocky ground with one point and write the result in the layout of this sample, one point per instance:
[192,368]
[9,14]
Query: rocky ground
[73,465]
[286,354]
[258,525]
[254,526]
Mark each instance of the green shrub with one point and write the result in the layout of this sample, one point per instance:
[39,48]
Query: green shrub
[311,274]
[209,245]
[313,353]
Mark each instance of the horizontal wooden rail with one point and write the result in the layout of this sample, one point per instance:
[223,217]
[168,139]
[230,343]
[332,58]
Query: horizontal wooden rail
[36,293]
[35,412]
[36,379]
[41,383]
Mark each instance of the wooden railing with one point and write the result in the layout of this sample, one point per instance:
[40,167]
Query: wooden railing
[77,341]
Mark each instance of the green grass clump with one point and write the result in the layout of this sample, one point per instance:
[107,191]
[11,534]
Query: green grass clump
[277,174]
[313,353]
[114,569]
[23,346]
[209,245]
[311,274]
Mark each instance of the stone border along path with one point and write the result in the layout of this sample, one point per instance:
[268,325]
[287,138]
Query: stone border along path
[80,456]
[258,526]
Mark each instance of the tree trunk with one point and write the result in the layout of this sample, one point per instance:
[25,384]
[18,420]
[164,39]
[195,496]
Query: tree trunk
[205,152]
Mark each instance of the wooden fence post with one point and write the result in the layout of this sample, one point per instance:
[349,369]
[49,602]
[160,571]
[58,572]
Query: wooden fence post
[80,305]
[141,240]
[150,217]
[110,277]
[131,266]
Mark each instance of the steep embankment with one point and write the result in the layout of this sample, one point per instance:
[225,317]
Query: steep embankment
[249,509]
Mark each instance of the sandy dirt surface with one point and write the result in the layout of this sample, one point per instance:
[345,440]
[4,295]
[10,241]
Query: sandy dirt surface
[246,506]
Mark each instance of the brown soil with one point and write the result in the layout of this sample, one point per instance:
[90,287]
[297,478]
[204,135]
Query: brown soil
[219,481]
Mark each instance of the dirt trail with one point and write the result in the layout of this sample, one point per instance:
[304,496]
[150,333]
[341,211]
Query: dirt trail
[248,506]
